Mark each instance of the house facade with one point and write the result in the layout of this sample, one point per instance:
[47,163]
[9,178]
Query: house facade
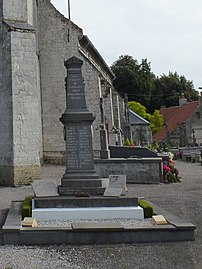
[182,124]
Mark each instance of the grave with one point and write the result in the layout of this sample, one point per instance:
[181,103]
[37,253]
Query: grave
[80,179]
[80,175]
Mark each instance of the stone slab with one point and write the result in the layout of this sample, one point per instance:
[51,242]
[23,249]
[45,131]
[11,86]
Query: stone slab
[19,25]
[135,212]
[43,189]
[113,192]
[29,222]
[118,181]
[88,190]
[159,220]
[13,220]
[94,201]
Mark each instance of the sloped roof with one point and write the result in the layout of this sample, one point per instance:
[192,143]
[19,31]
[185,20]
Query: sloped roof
[173,116]
[135,119]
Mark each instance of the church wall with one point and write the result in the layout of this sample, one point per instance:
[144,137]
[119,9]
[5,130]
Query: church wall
[58,41]
[54,49]
[26,104]
[15,10]
[6,150]
[20,121]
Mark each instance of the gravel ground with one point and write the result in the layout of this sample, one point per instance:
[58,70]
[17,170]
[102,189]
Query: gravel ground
[124,222]
[181,199]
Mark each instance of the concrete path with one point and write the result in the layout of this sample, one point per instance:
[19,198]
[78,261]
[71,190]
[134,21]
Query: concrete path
[181,199]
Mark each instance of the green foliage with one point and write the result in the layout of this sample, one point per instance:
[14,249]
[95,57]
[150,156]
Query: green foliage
[150,146]
[133,78]
[138,109]
[138,81]
[127,142]
[148,209]
[156,120]
[170,87]
[27,207]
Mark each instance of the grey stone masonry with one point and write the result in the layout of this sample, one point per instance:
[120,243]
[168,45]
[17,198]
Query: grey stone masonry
[20,120]
[80,175]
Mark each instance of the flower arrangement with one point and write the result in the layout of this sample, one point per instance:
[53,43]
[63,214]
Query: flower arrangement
[170,173]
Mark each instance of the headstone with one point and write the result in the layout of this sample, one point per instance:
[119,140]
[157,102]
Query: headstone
[118,181]
[44,189]
[80,175]
[113,192]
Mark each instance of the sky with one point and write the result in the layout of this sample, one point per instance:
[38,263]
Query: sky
[166,32]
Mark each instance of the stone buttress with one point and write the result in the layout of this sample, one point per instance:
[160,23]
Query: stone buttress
[20,113]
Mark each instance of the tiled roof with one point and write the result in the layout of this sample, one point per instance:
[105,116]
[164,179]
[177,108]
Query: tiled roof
[175,115]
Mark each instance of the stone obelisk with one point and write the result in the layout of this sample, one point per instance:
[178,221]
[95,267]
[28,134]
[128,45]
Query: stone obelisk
[80,176]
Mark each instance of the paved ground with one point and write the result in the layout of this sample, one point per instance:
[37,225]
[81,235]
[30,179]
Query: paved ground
[182,199]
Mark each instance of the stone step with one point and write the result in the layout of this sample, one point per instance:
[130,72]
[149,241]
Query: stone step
[66,191]
[46,214]
[1,239]
[75,202]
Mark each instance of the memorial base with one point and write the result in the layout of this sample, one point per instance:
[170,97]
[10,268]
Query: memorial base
[73,191]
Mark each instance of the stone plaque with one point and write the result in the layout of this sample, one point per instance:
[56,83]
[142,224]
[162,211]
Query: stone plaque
[75,85]
[113,192]
[79,147]
[118,181]
[43,189]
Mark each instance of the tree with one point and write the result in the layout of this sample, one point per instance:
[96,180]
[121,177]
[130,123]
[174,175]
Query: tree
[141,85]
[156,122]
[156,119]
[134,79]
[170,87]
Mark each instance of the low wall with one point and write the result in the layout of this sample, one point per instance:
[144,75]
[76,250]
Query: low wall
[137,170]
[192,154]
[127,152]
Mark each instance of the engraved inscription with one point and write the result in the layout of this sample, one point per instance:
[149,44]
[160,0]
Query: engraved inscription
[85,145]
[75,87]
[79,147]
[72,148]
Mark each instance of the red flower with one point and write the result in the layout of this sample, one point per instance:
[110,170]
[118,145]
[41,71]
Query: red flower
[166,168]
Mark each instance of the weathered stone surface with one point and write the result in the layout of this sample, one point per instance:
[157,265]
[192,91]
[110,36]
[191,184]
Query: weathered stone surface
[29,222]
[113,192]
[118,181]
[159,220]
[42,189]
[20,98]
[142,170]
[80,175]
